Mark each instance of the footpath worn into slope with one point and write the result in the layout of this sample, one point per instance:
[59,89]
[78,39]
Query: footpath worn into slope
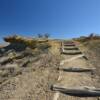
[74,79]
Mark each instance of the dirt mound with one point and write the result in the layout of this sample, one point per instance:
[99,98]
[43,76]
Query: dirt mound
[92,49]
[27,73]
[29,82]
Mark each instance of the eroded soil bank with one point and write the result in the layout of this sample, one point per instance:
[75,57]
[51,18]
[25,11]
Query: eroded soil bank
[29,74]
[91,48]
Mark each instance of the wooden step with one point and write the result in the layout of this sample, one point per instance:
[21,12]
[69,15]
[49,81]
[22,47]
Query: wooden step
[71,53]
[69,44]
[84,91]
[71,48]
[76,69]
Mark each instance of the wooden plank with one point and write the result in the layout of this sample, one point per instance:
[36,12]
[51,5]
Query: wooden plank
[69,44]
[72,53]
[75,69]
[72,48]
[78,91]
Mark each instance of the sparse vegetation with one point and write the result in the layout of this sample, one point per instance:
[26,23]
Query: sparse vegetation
[19,43]
[91,47]
[92,36]
[40,35]
[26,66]
[45,35]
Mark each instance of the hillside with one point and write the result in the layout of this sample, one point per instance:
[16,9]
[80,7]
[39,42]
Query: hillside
[28,67]
[91,47]
[34,68]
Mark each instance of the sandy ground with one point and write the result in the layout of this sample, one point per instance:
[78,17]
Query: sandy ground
[33,80]
[74,79]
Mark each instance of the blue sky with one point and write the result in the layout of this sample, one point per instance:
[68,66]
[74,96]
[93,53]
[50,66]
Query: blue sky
[60,18]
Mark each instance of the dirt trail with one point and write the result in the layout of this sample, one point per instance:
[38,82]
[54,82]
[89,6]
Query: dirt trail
[74,79]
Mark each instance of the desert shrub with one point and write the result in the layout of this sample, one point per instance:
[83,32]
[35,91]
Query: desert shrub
[43,46]
[46,35]
[90,37]
[21,40]
[40,35]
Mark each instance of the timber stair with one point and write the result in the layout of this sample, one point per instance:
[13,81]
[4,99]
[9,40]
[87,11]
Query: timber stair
[71,89]
[69,52]
[70,48]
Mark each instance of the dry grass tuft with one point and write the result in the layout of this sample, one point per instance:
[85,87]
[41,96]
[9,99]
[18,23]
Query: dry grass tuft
[91,37]
[91,48]
[30,42]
